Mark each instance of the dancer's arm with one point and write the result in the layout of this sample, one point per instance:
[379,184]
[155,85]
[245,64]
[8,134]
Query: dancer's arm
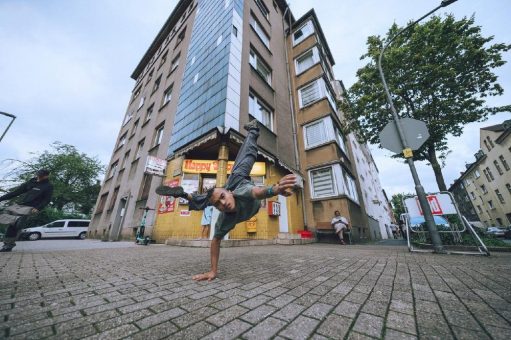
[284,188]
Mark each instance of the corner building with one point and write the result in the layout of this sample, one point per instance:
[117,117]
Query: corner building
[215,65]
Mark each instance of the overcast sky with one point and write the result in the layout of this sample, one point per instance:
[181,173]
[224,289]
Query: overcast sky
[65,68]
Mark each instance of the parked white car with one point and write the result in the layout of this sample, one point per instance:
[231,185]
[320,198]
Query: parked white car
[59,228]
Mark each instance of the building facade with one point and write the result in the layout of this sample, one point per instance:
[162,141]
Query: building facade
[215,65]
[487,182]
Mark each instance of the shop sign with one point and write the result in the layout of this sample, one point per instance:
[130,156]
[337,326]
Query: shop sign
[168,203]
[195,166]
[155,166]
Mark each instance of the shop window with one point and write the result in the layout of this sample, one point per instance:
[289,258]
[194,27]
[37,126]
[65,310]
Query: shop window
[208,182]
[190,184]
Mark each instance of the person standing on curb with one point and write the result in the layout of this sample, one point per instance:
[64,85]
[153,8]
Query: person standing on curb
[36,193]
[206,222]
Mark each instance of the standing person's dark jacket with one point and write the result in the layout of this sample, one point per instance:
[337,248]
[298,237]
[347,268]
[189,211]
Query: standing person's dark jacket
[36,194]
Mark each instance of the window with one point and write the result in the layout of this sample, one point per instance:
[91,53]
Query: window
[315,133]
[499,221]
[125,160]
[504,163]
[234,30]
[307,60]
[260,111]
[263,8]
[175,63]
[101,203]
[483,189]
[490,141]
[485,172]
[140,146]
[78,224]
[135,126]
[150,76]
[322,181]
[181,36]
[157,84]
[145,186]
[259,31]
[352,188]
[167,95]
[260,66]
[158,135]
[490,204]
[490,174]
[472,195]
[497,166]
[477,173]
[486,144]
[303,32]
[113,168]
[136,93]
[164,58]
[219,40]
[340,141]
[479,209]
[508,187]
[149,113]
[314,91]
[122,141]
[195,78]
[141,103]
[127,118]
[113,199]
[499,196]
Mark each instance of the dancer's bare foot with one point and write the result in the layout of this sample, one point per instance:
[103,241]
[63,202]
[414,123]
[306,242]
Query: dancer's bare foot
[209,276]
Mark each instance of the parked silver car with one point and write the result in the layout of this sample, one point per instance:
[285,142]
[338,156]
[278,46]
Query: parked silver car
[495,231]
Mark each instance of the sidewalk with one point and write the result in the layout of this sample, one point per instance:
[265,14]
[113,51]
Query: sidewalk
[317,291]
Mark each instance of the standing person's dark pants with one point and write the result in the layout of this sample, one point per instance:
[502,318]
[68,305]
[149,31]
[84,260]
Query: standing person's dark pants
[14,216]
[243,164]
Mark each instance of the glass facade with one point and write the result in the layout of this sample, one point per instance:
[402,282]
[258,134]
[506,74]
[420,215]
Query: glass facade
[211,82]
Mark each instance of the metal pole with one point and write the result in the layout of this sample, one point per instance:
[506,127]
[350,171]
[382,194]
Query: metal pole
[428,216]
[13,117]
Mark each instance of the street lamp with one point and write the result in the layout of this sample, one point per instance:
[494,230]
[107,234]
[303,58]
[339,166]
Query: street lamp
[428,216]
[13,117]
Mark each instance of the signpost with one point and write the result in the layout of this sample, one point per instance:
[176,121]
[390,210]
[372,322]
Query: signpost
[415,132]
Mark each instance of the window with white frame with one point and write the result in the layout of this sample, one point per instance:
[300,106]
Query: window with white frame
[113,168]
[260,32]
[352,188]
[322,182]
[260,66]
[260,111]
[128,117]
[149,113]
[140,146]
[307,60]
[125,159]
[122,140]
[157,84]
[158,135]
[340,140]
[167,95]
[141,103]
[313,92]
[315,133]
[303,32]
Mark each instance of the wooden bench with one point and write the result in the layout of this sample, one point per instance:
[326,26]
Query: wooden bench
[324,230]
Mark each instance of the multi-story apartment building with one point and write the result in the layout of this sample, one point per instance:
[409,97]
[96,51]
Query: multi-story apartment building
[487,181]
[215,65]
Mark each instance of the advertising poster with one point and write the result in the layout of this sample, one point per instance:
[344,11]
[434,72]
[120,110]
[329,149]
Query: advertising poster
[168,203]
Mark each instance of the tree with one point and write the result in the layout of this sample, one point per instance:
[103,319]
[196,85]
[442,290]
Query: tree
[74,176]
[440,72]
[397,204]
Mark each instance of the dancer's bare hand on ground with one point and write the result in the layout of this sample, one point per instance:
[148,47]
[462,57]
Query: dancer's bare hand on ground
[286,185]
[209,276]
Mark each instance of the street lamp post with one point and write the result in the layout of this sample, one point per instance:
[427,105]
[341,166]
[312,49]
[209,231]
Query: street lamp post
[13,117]
[428,216]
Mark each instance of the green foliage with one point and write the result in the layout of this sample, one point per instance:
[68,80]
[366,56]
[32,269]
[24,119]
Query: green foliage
[74,176]
[397,204]
[48,215]
[440,72]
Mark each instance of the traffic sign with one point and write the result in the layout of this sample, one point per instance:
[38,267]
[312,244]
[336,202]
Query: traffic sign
[415,132]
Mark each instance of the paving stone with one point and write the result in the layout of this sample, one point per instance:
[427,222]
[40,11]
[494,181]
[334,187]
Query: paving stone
[194,316]
[229,331]
[258,314]
[469,334]
[281,301]
[300,328]
[499,333]
[392,334]
[159,318]
[318,310]
[401,306]
[369,324]
[358,336]
[195,331]
[347,308]
[225,316]
[335,326]
[265,329]
[375,308]
[401,322]
[289,312]
[115,333]
[109,323]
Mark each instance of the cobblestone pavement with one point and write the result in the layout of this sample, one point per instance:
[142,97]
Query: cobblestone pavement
[315,291]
